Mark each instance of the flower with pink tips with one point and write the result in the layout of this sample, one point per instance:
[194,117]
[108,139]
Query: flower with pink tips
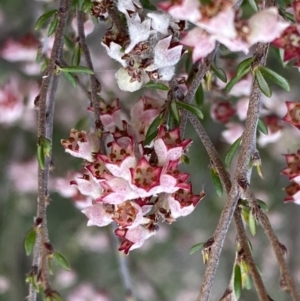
[293,114]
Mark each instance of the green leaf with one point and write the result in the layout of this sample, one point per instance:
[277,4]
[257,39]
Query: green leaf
[148,5]
[275,77]
[263,85]
[71,78]
[262,126]
[253,5]
[159,86]
[30,241]
[46,145]
[42,20]
[244,65]
[76,69]
[68,42]
[219,73]
[152,130]
[175,111]
[236,79]
[231,152]
[216,182]
[41,157]
[191,108]
[196,247]
[252,223]
[62,261]
[237,282]
[199,96]
[53,26]
[263,205]
[76,55]
[87,5]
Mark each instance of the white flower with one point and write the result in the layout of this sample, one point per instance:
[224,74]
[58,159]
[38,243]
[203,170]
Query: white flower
[165,56]
[160,22]
[114,51]
[128,5]
[138,31]
[124,80]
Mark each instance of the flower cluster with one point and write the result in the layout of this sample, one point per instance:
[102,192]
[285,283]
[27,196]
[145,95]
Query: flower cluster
[147,47]
[289,39]
[133,184]
[292,171]
[219,21]
[230,113]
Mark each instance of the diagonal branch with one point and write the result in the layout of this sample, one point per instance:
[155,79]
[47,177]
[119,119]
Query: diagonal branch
[220,236]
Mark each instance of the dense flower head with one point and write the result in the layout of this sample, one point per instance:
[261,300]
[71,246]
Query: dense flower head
[148,48]
[133,185]
[218,21]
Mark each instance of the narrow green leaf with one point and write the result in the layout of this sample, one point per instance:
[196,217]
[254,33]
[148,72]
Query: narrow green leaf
[289,16]
[248,284]
[50,268]
[236,79]
[42,20]
[150,137]
[159,86]
[263,205]
[152,130]
[252,223]
[253,5]
[232,150]
[76,69]
[237,283]
[244,65]
[76,55]
[41,156]
[199,96]
[148,5]
[262,126]
[196,247]
[46,145]
[263,85]
[275,77]
[30,241]
[175,111]
[191,108]
[71,78]
[68,42]
[61,260]
[219,73]
[53,26]
[216,182]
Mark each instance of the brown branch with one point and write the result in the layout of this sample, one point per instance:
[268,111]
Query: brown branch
[242,238]
[95,84]
[278,248]
[203,68]
[45,124]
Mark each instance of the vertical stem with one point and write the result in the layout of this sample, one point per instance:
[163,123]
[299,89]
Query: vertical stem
[45,125]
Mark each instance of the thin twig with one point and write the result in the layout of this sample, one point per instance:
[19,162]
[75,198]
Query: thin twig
[242,238]
[203,68]
[45,124]
[95,84]
[279,251]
